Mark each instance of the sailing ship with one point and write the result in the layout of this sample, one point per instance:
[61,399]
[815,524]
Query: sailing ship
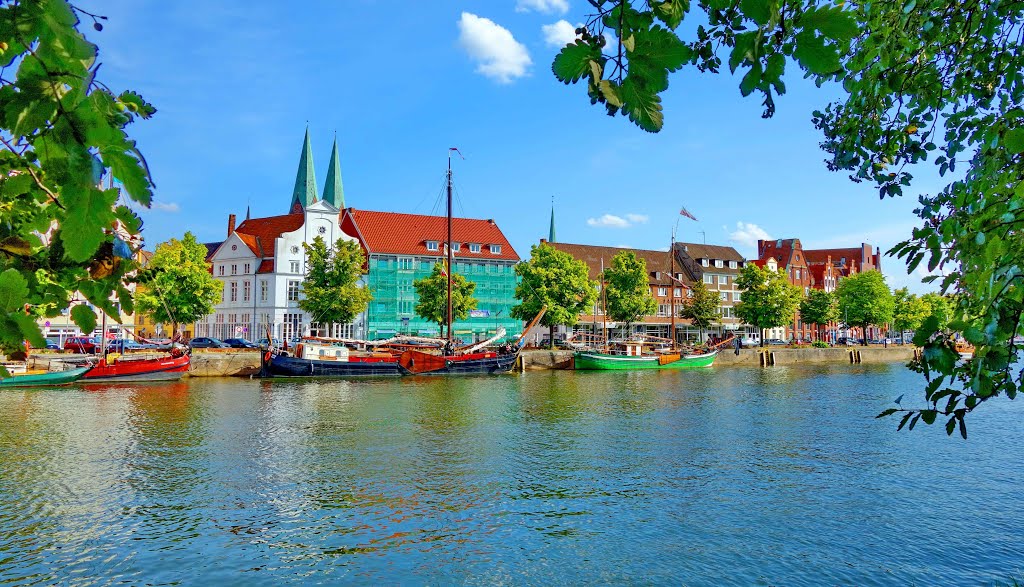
[44,379]
[118,369]
[642,352]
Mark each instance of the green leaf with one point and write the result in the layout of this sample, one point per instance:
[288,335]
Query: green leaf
[29,329]
[928,416]
[84,317]
[758,11]
[751,80]
[1014,141]
[573,61]
[662,48]
[671,12]
[13,291]
[950,425]
[888,412]
[814,56]
[610,91]
[90,211]
[642,105]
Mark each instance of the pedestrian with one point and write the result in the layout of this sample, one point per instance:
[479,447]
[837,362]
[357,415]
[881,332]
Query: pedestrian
[736,342]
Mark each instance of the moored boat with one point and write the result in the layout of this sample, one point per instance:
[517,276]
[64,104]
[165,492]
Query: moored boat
[314,359]
[122,369]
[481,363]
[49,379]
[593,360]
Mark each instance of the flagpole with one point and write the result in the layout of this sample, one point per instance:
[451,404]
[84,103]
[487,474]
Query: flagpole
[448,319]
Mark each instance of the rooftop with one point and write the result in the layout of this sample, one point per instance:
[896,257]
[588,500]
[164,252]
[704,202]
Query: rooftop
[407,234]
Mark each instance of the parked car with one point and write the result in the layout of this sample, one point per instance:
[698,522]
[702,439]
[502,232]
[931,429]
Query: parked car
[52,345]
[82,344]
[775,341]
[207,343]
[749,341]
[239,343]
[121,345]
[262,343]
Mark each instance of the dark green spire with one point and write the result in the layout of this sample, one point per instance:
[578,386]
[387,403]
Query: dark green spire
[304,193]
[334,192]
[551,231]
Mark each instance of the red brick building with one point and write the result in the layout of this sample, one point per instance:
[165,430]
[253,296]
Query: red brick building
[792,260]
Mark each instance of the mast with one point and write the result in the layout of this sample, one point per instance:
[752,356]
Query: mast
[672,289]
[604,307]
[448,244]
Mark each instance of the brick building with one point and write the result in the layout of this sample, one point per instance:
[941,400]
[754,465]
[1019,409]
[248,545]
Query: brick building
[792,260]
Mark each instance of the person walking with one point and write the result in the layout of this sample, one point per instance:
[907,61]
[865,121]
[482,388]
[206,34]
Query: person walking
[736,342]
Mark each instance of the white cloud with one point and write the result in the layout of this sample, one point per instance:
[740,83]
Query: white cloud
[559,34]
[637,218]
[168,207]
[501,57]
[747,234]
[613,221]
[545,6]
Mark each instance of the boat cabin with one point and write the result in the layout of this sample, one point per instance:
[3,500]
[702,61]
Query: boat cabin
[321,352]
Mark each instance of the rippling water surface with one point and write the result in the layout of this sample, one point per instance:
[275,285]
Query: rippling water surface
[738,476]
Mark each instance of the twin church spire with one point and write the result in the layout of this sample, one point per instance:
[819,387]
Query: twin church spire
[304,193]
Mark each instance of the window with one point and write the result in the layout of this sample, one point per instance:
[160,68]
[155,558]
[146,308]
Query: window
[732,264]
[657,274]
[798,274]
[263,290]
[719,263]
[234,269]
[246,291]
[704,262]
[689,293]
[431,245]
[474,248]
[405,263]
[735,296]
[662,291]
[141,320]
[245,318]
[294,266]
[405,307]
[220,270]
[495,249]
[663,310]
[234,291]
[232,318]
[678,292]
[247,267]
[293,290]
[456,247]
[723,280]
[709,278]
[724,296]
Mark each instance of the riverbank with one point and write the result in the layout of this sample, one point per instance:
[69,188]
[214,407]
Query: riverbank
[246,363]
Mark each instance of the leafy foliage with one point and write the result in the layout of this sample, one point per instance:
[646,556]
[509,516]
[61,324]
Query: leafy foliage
[769,299]
[331,291]
[702,307]
[432,294]
[909,311]
[176,286]
[61,128]
[865,299]
[554,279]
[940,307]
[819,308]
[627,289]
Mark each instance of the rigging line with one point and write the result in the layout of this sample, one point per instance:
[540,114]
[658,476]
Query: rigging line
[424,198]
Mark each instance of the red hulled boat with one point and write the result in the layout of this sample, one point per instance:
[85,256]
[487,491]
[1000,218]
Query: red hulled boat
[168,368]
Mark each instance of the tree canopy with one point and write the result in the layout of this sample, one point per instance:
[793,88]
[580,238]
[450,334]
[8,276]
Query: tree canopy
[701,307]
[62,132]
[432,292]
[865,299]
[627,289]
[769,299]
[553,279]
[175,286]
[909,311]
[819,307]
[331,290]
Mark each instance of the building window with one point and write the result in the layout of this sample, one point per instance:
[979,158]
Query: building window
[231,318]
[732,264]
[724,295]
[293,290]
[456,247]
[723,280]
[141,320]
[704,262]
[294,265]
[474,248]
[798,274]
[246,291]
[247,268]
[405,263]
[431,245]
[220,270]
[263,290]
[678,292]
[735,296]
[662,291]
[495,249]
[709,278]
[234,291]
[663,310]
[234,269]
[719,263]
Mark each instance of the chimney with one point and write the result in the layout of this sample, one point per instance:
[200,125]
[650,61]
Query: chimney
[231,224]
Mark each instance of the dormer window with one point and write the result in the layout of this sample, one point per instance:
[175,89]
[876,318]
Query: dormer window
[474,247]
[456,247]
[705,263]
[732,264]
[719,263]
[495,249]
[657,274]
[431,245]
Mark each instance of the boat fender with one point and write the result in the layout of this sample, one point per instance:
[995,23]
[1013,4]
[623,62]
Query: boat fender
[266,356]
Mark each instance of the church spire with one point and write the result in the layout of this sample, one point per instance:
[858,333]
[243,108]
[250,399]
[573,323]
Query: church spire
[551,230]
[334,192]
[304,192]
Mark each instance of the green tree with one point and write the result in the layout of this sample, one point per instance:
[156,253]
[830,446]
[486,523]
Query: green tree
[331,290]
[819,308]
[940,307]
[432,292]
[909,311]
[702,307]
[921,80]
[177,287]
[769,299]
[627,289]
[865,299]
[553,279]
[62,131]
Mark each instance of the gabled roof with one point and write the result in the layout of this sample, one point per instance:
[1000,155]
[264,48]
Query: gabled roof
[407,234]
[252,242]
[657,261]
[259,233]
[702,251]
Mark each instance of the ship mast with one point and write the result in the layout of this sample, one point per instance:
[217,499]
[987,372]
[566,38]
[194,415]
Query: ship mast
[672,289]
[448,245]
[604,307]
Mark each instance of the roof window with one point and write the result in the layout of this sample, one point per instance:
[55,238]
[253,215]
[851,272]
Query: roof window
[474,247]
[495,249]
[431,245]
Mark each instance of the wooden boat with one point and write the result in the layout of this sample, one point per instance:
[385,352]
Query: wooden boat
[593,360]
[50,379]
[121,369]
[316,359]
[481,363]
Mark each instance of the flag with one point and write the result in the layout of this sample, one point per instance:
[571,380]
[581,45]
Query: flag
[685,212]
[456,149]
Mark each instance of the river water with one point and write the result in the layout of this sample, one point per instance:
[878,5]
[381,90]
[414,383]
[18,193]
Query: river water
[723,476]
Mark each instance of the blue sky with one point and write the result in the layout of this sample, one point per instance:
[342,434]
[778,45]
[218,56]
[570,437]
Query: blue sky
[235,85]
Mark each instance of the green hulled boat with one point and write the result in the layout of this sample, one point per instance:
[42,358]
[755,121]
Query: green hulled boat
[45,379]
[592,360]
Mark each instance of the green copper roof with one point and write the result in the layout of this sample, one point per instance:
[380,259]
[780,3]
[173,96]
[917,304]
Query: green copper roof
[334,192]
[304,193]
[551,231]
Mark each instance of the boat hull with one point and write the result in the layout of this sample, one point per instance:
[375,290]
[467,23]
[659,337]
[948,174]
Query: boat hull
[592,361]
[282,366]
[45,379]
[125,371]
[487,364]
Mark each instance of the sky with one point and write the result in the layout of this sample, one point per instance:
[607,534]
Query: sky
[236,84]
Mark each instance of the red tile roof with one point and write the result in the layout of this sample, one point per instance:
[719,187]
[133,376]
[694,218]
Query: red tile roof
[261,232]
[252,242]
[266,266]
[407,234]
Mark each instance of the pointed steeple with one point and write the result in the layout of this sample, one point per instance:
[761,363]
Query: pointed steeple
[304,192]
[334,192]
[246,212]
[551,230]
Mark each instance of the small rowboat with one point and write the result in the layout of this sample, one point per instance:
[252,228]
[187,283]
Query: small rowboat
[44,379]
